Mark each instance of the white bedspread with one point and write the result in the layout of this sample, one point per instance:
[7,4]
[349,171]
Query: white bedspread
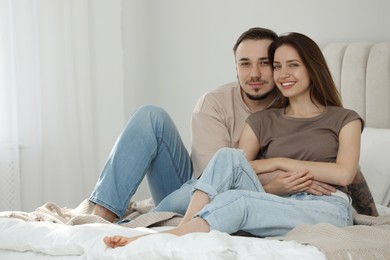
[86,241]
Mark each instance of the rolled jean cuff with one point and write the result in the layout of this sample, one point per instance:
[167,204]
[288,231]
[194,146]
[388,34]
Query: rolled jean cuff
[209,218]
[206,188]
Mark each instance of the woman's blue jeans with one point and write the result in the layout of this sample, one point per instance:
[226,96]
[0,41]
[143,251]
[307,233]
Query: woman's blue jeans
[239,202]
[150,145]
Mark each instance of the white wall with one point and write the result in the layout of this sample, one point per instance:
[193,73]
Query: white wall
[175,50]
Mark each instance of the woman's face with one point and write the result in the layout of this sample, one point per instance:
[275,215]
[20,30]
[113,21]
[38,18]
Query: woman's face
[290,74]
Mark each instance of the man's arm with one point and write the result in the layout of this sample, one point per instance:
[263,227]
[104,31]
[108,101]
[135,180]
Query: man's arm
[362,199]
[209,133]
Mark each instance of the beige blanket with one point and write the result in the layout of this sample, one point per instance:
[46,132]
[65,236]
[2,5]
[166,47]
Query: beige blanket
[369,238]
[137,215]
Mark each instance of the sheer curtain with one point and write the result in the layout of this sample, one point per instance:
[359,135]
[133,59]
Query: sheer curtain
[61,96]
[9,150]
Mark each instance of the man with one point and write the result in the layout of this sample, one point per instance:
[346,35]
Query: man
[150,144]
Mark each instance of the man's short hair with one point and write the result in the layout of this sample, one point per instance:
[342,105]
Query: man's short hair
[256,33]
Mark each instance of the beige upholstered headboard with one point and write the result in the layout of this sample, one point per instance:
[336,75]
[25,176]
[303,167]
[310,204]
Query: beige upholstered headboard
[362,74]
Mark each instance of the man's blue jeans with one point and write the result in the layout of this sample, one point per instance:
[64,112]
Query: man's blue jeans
[150,145]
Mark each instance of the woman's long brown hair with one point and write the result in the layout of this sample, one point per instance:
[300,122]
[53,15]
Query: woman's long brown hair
[322,89]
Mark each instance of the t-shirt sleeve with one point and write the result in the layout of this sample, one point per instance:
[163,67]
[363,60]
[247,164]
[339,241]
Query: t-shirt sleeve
[351,116]
[254,122]
[209,133]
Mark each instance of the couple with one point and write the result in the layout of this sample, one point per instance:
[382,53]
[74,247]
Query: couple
[306,133]
[150,144]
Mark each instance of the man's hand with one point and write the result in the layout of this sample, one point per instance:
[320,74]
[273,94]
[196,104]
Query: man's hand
[321,188]
[286,183]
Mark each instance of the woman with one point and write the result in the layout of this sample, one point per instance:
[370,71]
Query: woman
[309,131]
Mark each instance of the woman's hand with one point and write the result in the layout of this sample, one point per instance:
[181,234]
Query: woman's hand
[286,183]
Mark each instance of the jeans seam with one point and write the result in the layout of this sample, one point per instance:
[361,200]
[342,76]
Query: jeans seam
[160,140]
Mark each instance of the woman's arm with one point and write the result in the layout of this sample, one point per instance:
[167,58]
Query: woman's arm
[275,182]
[249,143]
[342,172]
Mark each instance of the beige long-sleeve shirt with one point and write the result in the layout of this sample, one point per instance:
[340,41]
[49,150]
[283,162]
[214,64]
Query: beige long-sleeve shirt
[217,121]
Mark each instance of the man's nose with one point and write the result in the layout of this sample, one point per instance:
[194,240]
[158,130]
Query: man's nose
[255,72]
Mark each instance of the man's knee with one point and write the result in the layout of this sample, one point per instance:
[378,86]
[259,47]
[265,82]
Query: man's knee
[155,115]
[151,110]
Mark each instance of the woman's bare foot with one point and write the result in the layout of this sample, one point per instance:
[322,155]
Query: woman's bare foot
[195,225]
[116,241]
[104,213]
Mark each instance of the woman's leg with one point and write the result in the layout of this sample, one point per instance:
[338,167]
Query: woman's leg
[199,199]
[261,214]
[265,214]
[228,170]
[149,145]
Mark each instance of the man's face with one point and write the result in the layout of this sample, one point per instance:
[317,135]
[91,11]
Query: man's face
[253,68]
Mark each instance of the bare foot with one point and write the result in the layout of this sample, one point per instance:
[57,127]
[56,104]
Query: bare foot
[195,225]
[116,241]
[104,213]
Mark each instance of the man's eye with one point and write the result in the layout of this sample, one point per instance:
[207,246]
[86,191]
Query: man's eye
[244,64]
[265,63]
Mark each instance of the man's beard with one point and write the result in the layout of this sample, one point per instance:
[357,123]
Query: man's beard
[260,97]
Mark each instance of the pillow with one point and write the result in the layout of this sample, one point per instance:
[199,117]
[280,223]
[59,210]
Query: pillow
[375,163]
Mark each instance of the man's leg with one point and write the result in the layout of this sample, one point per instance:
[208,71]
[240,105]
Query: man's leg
[178,200]
[149,145]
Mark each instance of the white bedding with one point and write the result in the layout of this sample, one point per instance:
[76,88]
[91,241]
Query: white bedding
[43,239]
[21,239]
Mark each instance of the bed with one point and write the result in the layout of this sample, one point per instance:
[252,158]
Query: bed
[362,74]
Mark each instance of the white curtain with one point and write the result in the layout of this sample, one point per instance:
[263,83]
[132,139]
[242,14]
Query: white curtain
[61,96]
[9,150]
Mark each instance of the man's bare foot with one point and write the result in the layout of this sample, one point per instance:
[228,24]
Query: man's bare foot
[116,241]
[104,213]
